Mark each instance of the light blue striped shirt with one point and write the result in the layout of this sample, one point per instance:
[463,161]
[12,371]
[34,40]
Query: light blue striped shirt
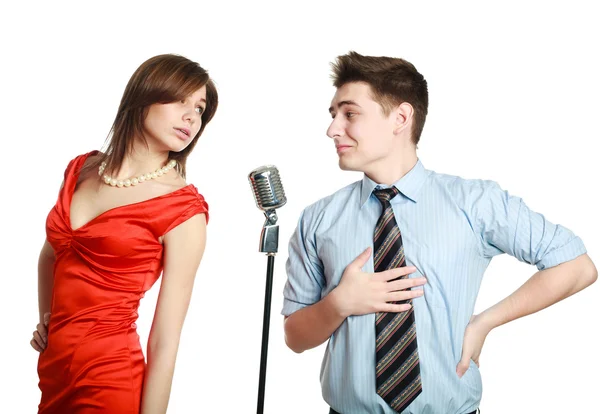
[451,228]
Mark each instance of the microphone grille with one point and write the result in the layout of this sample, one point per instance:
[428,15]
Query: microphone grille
[267,187]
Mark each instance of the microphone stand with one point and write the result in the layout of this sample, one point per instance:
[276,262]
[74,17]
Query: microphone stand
[269,239]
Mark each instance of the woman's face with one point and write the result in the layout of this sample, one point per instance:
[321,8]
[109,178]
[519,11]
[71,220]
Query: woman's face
[173,126]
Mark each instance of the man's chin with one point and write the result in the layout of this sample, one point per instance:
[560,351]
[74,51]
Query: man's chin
[346,166]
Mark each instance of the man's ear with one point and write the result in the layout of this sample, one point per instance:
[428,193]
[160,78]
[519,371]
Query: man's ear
[403,117]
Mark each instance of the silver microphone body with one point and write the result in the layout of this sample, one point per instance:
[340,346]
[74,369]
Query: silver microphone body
[267,188]
[269,196]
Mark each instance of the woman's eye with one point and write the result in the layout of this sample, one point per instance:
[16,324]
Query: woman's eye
[199,109]
[349,114]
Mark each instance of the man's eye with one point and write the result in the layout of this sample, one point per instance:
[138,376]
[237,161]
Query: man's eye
[350,114]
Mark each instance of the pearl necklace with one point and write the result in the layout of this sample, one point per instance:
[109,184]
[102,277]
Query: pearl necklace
[135,180]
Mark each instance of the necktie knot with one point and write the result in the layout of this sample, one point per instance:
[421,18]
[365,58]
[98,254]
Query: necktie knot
[386,194]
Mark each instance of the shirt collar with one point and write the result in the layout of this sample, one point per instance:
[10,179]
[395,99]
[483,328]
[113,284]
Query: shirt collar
[409,185]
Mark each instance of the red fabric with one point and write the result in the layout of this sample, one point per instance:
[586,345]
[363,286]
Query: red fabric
[93,362]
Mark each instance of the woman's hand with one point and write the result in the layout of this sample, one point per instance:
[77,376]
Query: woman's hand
[40,335]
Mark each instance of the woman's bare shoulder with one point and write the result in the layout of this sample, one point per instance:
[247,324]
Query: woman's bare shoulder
[86,169]
[93,158]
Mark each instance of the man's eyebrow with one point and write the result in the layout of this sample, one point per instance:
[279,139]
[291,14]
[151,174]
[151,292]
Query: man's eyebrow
[342,103]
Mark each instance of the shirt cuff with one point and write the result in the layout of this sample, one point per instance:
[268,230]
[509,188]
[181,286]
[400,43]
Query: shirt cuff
[289,307]
[569,251]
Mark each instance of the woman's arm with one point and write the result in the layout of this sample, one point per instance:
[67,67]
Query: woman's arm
[45,279]
[45,285]
[184,246]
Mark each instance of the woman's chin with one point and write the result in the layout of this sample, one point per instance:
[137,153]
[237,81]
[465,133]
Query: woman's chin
[177,146]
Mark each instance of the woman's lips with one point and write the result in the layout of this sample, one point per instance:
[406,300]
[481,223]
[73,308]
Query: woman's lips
[181,134]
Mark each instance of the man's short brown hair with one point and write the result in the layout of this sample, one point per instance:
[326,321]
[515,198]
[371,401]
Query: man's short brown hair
[392,81]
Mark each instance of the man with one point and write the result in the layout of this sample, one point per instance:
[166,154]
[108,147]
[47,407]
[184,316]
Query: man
[402,335]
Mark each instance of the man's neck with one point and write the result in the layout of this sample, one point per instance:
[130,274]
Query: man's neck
[390,170]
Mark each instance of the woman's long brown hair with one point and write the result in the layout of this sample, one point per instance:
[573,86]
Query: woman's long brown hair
[161,79]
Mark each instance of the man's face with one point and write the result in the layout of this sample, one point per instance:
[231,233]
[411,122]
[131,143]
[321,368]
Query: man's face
[362,133]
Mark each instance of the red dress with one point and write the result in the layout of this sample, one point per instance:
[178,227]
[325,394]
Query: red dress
[93,362]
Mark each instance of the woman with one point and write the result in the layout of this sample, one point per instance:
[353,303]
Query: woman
[123,217]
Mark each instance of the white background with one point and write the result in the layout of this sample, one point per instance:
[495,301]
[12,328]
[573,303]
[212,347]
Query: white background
[513,97]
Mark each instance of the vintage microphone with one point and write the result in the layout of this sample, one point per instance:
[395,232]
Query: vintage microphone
[269,195]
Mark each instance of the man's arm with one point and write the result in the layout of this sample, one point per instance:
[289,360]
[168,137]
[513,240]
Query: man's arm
[358,293]
[504,224]
[309,327]
[543,289]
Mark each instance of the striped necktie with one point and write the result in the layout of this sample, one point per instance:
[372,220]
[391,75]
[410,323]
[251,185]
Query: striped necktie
[397,370]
